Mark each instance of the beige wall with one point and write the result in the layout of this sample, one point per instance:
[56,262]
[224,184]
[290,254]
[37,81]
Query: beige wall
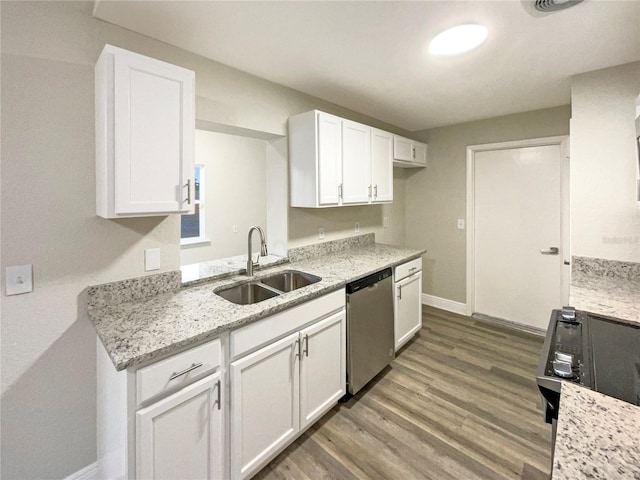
[235,194]
[48,216]
[605,216]
[340,222]
[436,196]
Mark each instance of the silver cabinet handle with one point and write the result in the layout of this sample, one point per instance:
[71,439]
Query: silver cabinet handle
[413,268]
[369,191]
[340,190]
[306,345]
[399,292]
[298,348]
[550,251]
[375,191]
[185,371]
[188,185]
[219,386]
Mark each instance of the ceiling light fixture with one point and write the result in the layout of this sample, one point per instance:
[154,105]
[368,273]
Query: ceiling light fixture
[458,39]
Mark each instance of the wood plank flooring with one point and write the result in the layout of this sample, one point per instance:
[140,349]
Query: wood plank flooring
[459,402]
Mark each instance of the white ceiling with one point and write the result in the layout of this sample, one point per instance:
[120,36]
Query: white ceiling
[371,56]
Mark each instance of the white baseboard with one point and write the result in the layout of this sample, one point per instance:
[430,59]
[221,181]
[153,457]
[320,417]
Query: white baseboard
[445,304]
[90,472]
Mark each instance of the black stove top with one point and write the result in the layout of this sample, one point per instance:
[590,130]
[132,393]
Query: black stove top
[598,352]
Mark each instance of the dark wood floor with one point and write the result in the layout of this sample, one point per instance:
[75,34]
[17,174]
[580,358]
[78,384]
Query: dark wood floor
[459,402]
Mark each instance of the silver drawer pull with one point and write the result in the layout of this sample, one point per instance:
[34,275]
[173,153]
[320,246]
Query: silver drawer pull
[413,268]
[185,371]
[550,251]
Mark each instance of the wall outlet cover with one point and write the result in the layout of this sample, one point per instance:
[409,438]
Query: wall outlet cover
[461,224]
[19,279]
[320,233]
[151,259]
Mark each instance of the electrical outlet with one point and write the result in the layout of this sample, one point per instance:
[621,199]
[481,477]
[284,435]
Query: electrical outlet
[19,279]
[235,229]
[461,224]
[151,259]
[385,222]
[357,227]
[320,233]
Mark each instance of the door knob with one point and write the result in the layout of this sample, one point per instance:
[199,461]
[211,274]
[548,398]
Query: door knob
[550,251]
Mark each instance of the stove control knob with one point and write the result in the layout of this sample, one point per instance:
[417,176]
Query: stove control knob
[568,314]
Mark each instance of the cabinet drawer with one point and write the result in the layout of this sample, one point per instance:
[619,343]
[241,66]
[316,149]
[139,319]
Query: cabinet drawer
[407,269]
[249,338]
[177,371]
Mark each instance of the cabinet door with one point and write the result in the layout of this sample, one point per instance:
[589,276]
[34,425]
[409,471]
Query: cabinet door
[356,162]
[322,367]
[381,166]
[402,149]
[408,308]
[420,154]
[181,435]
[265,412]
[329,158]
[154,125]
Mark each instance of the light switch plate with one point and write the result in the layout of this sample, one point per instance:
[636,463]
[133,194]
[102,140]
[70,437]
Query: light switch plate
[151,259]
[19,279]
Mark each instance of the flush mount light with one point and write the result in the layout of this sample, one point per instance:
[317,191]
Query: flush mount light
[457,40]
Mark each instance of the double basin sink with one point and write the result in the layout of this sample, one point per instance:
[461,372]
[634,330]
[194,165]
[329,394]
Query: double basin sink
[267,287]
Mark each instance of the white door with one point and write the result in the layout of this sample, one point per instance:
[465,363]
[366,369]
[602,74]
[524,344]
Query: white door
[381,166]
[356,162]
[517,230]
[265,404]
[154,122]
[408,308]
[181,435]
[322,367]
[329,158]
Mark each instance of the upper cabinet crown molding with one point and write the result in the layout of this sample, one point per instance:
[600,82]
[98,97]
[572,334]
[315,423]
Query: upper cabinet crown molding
[408,153]
[145,129]
[335,162]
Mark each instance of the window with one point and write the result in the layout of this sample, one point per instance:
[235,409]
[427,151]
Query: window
[192,225]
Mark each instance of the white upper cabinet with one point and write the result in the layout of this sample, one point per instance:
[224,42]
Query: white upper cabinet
[409,153]
[381,167]
[145,127]
[356,163]
[336,162]
[329,159]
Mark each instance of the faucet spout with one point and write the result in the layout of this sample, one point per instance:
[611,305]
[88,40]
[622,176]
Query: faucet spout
[263,248]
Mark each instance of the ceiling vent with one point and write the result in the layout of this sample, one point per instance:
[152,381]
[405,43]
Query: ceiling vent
[539,8]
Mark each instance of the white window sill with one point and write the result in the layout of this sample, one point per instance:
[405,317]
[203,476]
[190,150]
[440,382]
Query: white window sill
[196,241]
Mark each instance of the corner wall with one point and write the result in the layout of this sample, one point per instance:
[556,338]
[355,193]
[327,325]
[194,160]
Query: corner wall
[605,215]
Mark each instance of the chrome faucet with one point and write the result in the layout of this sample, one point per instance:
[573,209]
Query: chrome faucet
[263,249]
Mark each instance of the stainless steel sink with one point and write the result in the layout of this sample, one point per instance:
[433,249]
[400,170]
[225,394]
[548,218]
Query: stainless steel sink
[267,287]
[247,293]
[289,280]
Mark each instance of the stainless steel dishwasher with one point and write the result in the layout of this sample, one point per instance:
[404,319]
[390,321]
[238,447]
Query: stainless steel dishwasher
[370,332]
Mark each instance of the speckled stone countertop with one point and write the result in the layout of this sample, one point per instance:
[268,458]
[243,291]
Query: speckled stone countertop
[598,437]
[205,271]
[606,287]
[144,329]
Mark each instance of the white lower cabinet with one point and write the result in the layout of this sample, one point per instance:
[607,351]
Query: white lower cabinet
[225,408]
[181,436]
[407,301]
[282,388]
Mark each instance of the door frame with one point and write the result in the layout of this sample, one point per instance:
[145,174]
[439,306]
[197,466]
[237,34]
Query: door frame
[563,143]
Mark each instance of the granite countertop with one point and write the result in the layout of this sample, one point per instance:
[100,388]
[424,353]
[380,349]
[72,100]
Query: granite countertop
[598,436]
[140,330]
[611,296]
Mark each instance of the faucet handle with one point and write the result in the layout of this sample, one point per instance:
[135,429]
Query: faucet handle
[257,262]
